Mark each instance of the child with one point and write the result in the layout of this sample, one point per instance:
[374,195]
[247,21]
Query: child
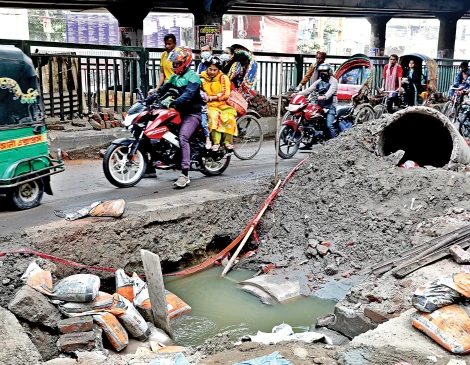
[204,120]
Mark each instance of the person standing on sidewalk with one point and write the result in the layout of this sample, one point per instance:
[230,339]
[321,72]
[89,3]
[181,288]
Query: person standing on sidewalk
[312,73]
[165,64]
[392,76]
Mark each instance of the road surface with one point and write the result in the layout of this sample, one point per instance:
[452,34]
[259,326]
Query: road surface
[83,182]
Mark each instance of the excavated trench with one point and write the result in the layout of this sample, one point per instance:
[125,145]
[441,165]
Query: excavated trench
[426,136]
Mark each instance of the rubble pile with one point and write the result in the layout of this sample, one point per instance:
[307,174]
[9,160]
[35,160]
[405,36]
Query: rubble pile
[348,207]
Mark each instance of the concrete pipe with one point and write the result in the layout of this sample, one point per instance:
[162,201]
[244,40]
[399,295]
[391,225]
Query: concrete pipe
[426,135]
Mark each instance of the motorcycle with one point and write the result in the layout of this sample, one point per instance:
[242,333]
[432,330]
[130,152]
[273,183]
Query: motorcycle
[155,130]
[464,118]
[308,124]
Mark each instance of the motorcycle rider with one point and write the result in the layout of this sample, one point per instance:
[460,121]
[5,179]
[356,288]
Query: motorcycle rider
[461,80]
[189,104]
[328,101]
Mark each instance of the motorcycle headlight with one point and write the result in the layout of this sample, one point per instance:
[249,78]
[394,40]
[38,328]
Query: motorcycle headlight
[129,119]
[293,108]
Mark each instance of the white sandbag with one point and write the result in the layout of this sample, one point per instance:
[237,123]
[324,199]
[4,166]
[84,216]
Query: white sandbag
[76,288]
[102,301]
[37,278]
[124,285]
[130,318]
[115,333]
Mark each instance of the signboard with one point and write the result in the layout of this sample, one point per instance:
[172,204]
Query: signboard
[209,34]
[99,29]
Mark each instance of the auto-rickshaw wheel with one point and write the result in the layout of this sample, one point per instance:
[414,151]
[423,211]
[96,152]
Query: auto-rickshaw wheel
[27,195]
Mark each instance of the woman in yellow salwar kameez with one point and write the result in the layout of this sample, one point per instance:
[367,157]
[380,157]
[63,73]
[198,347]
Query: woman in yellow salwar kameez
[221,116]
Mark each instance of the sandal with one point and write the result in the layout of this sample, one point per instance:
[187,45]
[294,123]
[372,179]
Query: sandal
[215,147]
[229,146]
[208,145]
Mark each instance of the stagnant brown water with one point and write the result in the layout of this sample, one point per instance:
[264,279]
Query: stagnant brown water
[218,305]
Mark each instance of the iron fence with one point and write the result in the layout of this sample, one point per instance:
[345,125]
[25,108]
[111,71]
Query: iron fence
[76,79]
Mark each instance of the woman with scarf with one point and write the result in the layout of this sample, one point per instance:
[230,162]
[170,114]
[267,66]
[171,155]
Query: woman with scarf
[221,116]
[412,84]
[236,63]
[392,76]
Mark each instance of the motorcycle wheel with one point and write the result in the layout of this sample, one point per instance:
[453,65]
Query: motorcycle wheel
[288,145]
[119,170]
[287,116]
[214,168]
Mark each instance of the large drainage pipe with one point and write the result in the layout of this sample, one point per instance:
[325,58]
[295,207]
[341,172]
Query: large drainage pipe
[426,135]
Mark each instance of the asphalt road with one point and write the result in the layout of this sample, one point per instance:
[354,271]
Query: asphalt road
[83,182]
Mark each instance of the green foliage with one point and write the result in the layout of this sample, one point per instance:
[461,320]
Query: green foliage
[36,28]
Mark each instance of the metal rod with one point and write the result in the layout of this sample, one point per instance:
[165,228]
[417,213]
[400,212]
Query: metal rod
[278,123]
[61,88]
[97,86]
[80,88]
[88,84]
[70,84]
[106,80]
[51,88]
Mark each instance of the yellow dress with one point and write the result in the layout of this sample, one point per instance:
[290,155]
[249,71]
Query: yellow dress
[221,117]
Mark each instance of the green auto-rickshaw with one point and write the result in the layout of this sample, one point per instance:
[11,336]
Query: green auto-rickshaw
[25,163]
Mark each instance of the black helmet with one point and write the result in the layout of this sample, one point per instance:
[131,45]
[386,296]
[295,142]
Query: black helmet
[325,67]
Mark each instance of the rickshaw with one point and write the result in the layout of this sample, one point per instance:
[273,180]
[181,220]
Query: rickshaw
[427,68]
[25,163]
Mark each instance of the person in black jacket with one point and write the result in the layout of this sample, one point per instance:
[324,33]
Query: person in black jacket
[411,83]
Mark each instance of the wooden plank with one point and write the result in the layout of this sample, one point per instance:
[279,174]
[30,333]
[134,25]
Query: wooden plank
[418,264]
[153,273]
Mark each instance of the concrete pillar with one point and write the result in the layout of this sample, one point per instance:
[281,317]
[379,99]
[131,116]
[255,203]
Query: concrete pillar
[447,34]
[378,30]
[208,16]
[131,23]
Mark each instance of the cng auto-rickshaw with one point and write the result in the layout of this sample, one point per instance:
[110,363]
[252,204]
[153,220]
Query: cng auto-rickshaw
[25,163]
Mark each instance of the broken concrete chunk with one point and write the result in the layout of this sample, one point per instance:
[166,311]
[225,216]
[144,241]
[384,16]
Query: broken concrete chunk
[322,250]
[324,321]
[311,252]
[44,340]
[17,348]
[77,341]
[351,323]
[34,307]
[76,324]
[331,270]
[276,286]
[260,293]
[61,361]
[376,315]
[459,254]
[395,157]
[332,337]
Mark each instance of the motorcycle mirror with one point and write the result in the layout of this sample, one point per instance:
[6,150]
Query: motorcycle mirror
[140,93]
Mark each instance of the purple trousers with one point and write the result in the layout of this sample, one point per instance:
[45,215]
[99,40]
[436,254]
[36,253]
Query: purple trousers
[188,126]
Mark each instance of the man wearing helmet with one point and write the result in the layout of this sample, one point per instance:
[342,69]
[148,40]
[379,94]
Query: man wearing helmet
[189,104]
[326,82]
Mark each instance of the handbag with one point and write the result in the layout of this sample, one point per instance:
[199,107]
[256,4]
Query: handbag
[237,101]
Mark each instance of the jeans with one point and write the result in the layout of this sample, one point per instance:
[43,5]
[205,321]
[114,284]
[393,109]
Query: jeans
[392,100]
[188,126]
[330,121]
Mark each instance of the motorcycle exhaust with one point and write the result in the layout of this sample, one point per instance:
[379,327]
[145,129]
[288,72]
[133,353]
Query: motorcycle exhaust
[170,137]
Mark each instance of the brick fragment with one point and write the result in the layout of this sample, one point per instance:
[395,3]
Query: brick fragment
[376,315]
[322,250]
[77,341]
[460,255]
[76,324]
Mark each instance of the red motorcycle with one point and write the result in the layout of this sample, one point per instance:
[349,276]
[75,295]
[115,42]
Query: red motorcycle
[308,124]
[154,140]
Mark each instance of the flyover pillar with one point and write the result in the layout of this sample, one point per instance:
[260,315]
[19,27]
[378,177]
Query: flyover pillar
[447,34]
[378,30]
[131,23]
[208,20]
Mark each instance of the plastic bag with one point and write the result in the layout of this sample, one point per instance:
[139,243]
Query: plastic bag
[409,165]
[115,333]
[38,278]
[76,288]
[448,326]
[442,292]
[130,318]
[124,285]
[102,301]
[109,208]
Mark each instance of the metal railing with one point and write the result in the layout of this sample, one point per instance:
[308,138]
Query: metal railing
[76,79]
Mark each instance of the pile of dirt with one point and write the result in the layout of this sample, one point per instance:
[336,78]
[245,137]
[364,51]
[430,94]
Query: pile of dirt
[360,205]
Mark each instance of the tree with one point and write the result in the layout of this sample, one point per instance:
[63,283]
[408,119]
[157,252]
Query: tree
[36,27]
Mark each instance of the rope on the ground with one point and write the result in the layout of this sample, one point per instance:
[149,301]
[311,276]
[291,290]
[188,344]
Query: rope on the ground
[253,223]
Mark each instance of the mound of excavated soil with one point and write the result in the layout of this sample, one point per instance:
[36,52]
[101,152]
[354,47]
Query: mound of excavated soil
[359,202]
